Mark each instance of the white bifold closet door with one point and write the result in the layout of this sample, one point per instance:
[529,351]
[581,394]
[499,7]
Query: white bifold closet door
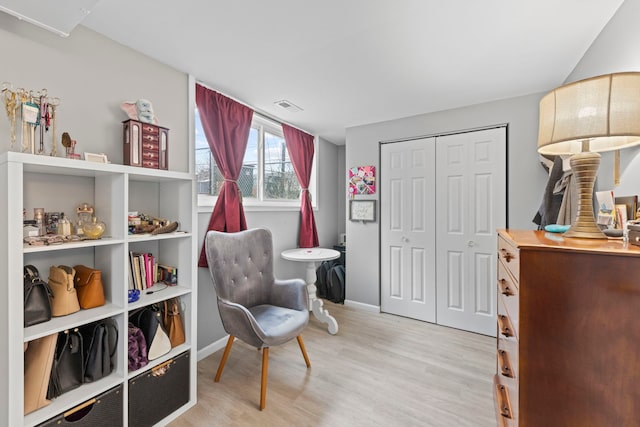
[442,200]
[407,218]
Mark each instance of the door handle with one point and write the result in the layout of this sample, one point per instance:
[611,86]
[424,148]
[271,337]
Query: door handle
[405,240]
[471,243]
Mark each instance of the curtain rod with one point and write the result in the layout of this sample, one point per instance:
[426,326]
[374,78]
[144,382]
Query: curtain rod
[259,112]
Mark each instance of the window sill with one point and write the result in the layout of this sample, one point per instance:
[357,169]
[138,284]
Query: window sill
[206,204]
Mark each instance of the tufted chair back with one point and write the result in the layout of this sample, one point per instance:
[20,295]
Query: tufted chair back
[241,266]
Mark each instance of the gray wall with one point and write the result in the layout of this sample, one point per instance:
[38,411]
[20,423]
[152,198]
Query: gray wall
[92,76]
[616,49]
[526,178]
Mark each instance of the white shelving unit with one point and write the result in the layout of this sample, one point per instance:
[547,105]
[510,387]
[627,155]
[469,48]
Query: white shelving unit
[59,185]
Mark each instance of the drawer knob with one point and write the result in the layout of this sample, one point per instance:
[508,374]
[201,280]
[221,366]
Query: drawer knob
[504,326]
[504,288]
[506,255]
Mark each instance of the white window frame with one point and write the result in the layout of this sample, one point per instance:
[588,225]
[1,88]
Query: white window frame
[206,202]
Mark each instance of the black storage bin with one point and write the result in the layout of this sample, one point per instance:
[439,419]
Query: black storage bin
[105,410]
[159,391]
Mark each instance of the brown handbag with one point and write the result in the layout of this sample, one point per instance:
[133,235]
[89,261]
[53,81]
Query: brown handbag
[172,321]
[88,283]
[38,359]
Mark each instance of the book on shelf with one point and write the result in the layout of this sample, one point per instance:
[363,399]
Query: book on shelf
[144,271]
[135,270]
[148,269]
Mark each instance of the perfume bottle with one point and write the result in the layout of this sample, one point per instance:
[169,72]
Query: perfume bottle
[95,229]
[64,226]
[85,213]
[38,216]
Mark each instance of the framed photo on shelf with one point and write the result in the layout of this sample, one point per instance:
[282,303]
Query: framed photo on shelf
[97,158]
[362,210]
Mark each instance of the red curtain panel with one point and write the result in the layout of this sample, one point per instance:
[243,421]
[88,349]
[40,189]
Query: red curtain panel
[226,125]
[300,147]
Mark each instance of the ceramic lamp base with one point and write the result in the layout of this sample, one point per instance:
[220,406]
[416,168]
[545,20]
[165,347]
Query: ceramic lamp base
[585,169]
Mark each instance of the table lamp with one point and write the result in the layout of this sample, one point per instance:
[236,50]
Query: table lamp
[586,117]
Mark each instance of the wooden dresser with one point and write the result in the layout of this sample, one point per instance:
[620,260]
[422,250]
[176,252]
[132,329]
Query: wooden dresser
[568,350]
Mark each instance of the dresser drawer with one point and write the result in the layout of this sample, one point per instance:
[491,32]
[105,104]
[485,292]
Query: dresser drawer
[508,294]
[150,129]
[505,398]
[506,326]
[509,255]
[147,137]
[507,358]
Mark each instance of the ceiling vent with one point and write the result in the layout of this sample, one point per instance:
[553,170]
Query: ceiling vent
[59,17]
[287,105]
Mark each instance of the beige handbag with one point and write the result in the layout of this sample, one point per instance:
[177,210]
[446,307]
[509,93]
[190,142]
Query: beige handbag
[38,359]
[65,298]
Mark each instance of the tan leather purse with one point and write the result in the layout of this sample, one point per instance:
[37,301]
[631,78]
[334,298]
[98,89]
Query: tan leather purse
[172,321]
[38,359]
[88,284]
[65,298]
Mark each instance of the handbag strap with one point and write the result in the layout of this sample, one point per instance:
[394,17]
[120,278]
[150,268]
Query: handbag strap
[30,272]
[112,334]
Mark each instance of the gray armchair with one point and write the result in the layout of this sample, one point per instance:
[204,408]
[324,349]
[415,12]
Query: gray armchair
[254,306]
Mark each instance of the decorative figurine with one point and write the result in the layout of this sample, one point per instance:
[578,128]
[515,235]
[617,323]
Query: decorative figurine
[70,146]
[141,110]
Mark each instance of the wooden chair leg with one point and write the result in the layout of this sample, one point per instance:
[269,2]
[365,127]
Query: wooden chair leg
[227,349]
[265,371]
[304,351]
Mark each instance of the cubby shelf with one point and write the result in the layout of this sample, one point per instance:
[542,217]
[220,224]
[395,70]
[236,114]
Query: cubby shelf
[59,185]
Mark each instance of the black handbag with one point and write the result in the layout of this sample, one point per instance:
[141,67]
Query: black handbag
[149,321]
[37,305]
[100,341]
[67,371]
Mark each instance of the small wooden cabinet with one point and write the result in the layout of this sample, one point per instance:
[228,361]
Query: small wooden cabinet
[568,346]
[145,145]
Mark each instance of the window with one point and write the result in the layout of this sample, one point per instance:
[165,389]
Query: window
[267,177]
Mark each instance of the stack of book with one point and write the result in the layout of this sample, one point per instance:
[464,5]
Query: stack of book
[143,270]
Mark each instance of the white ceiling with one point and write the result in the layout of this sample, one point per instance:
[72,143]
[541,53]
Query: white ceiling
[353,62]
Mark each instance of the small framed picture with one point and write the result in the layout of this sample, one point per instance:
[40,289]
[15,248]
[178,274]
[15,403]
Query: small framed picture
[97,158]
[362,210]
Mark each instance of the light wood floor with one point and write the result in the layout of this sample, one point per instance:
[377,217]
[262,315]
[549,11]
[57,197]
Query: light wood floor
[379,370]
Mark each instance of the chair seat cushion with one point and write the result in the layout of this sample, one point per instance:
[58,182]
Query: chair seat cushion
[279,324]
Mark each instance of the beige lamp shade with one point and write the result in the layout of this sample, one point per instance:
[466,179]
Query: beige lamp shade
[604,110]
[586,117]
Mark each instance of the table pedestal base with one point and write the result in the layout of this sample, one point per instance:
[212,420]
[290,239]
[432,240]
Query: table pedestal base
[316,304]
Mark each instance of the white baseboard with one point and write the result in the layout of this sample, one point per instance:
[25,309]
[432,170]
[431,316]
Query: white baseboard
[362,306]
[212,348]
